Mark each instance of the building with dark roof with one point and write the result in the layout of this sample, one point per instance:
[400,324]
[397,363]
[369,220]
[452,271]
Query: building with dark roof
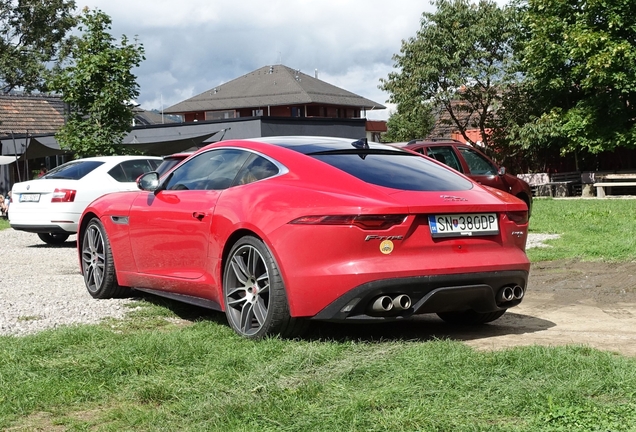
[273,91]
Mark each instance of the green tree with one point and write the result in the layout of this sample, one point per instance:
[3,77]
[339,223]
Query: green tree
[579,64]
[99,86]
[410,121]
[456,62]
[31,32]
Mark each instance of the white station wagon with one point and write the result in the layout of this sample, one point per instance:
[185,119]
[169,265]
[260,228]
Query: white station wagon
[52,204]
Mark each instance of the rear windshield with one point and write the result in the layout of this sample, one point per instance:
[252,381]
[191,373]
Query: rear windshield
[73,170]
[396,170]
[130,170]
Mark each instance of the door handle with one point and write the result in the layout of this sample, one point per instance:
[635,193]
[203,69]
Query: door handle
[198,215]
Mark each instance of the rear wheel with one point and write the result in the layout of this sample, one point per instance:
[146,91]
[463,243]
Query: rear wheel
[470,317]
[254,293]
[98,267]
[53,238]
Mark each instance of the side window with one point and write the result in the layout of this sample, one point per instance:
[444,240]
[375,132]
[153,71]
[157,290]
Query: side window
[477,164]
[445,155]
[128,171]
[212,170]
[256,168]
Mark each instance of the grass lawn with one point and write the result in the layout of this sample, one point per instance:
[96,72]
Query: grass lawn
[152,372]
[589,229]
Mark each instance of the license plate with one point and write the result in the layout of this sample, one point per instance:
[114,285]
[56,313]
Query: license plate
[29,197]
[458,225]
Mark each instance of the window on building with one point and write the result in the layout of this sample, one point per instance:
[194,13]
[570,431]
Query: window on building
[220,115]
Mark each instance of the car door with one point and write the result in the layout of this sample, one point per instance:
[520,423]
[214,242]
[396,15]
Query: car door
[170,229]
[445,155]
[481,169]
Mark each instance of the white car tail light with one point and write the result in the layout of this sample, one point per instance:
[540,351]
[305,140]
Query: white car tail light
[63,195]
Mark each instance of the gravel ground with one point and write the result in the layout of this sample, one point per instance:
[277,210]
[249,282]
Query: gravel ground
[41,286]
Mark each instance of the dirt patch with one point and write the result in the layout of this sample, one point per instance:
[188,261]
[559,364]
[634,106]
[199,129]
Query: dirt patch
[567,302]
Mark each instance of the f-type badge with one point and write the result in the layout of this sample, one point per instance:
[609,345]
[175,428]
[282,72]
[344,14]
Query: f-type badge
[452,198]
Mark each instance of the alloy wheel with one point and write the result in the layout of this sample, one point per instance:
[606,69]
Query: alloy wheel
[247,290]
[93,258]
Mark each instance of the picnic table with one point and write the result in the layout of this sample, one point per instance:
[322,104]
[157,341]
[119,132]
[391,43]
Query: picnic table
[603,181]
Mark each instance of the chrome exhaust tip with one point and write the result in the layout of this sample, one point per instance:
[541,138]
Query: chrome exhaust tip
[402,302]
[517,292]
[506,294]
[382,304]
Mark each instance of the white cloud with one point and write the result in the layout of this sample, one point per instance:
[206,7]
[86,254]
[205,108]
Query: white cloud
[194,45]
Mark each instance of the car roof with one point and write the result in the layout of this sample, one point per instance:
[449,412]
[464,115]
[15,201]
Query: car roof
[315,144]
[435,141]
[181,155]
[115,158]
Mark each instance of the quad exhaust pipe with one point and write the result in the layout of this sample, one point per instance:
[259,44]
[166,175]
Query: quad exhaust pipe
[386,304]
[510,293]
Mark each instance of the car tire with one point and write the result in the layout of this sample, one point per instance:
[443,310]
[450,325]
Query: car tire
[254,293]
[53,238]
[98,267]
[470,317]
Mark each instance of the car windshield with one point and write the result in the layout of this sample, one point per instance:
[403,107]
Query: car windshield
[167,164]
[73,170]
[397,170]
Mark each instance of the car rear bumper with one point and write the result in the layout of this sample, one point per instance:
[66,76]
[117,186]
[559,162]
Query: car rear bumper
[63,228]
[428,294]
[43,221]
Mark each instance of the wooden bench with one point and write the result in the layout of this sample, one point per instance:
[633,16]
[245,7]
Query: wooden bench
[613,180]
[565,184]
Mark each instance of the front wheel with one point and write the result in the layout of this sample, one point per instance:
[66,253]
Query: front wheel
[254,293]
[98,267]
[53,238]
[470,317]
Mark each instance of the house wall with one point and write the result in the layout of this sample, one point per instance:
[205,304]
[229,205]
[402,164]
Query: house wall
[341,128]
[193,116]
[283,111]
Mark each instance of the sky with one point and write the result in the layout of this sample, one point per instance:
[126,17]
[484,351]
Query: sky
[191,46]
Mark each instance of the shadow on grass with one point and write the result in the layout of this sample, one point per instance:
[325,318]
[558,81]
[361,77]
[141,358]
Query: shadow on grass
[182,310]
[419,328]
[428,327]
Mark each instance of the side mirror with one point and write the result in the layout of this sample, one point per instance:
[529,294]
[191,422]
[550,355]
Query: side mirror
[502,171]
[148,182]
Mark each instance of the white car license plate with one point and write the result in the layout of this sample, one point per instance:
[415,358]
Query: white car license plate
[29,197]
[457,225]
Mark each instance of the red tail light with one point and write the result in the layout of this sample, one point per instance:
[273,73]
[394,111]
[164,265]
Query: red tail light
[365,222]
[63,195]
[518,217]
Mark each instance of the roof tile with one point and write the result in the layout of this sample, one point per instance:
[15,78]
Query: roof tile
[34,114]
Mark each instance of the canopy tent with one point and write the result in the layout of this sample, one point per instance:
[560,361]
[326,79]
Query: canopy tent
[42,146]
[152,141]
[6,160]
[31,147]
[165,141]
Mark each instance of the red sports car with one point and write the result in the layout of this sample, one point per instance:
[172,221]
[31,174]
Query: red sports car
[277,231]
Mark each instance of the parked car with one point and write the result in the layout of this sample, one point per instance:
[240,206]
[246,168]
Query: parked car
[275,231]
[473,163]
[52,204]
[171,161]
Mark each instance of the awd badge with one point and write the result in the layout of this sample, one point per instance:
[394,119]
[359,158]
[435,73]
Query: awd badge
[386,247]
